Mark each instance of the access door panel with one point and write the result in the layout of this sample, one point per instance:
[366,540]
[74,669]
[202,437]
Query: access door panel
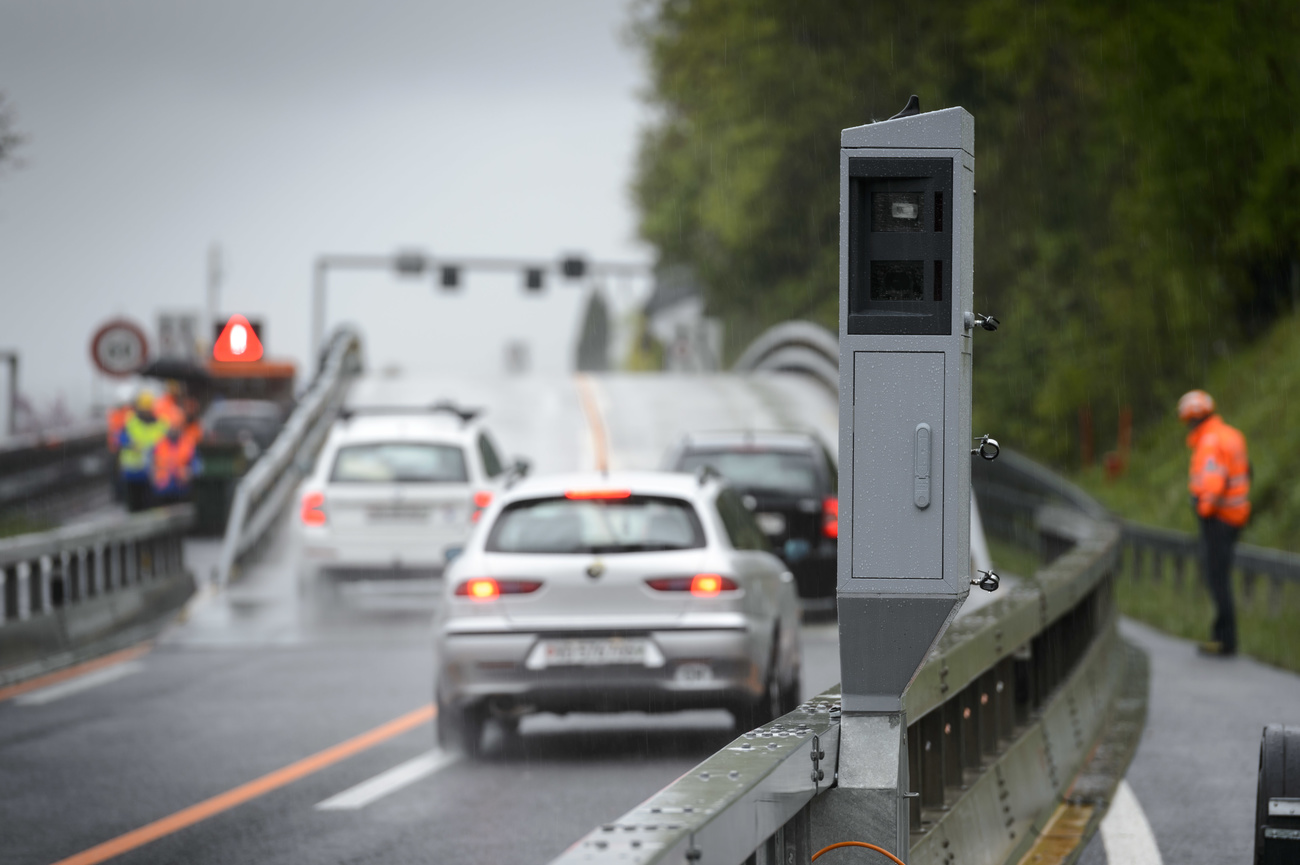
[898,451]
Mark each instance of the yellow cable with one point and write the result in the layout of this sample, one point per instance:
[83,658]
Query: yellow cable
[892,857]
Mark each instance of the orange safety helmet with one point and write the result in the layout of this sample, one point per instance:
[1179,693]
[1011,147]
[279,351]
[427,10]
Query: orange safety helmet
[1195,405]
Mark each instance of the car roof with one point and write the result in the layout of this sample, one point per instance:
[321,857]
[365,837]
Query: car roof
[737,439]
[642,483]
[244,408]
[403,427]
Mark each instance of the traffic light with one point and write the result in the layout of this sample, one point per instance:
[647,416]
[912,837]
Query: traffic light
[533,278]
[573,267]
[449,276]
[410,263]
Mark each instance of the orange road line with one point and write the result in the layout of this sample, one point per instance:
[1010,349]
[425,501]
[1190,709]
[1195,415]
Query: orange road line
[244,792]
[39,682]
[591,408]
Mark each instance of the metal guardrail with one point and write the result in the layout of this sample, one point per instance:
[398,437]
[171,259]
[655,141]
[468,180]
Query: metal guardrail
[795,346]
[262,493]
[1002,716]
[37,465]
[65,588]
[1150,546]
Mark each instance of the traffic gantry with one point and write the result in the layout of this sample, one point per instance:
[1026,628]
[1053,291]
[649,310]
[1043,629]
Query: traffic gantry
[906,318]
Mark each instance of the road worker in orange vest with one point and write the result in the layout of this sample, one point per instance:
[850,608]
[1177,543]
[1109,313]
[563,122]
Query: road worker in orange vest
[175,458]
[168,406]
[1219,481]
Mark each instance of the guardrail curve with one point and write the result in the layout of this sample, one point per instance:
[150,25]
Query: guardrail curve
[795,346]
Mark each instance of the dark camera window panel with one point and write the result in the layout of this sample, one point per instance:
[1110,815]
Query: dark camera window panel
[900,245]
[898,280]
[898,211]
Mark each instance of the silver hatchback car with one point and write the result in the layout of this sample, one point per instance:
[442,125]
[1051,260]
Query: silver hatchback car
[613,592]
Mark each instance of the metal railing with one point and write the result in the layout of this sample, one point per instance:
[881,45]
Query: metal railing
[263,493]
[68,587]
[1148,549]
[37,466]
[1002,715]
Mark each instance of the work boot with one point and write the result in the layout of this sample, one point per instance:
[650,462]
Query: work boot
[1215,649]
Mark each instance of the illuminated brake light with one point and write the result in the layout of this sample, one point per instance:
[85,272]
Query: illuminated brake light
[597,494]
[313,509]
[831,517]
[482,499]
[700,585]
[487,589]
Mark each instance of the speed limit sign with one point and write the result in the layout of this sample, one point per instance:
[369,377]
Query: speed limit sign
[119,348]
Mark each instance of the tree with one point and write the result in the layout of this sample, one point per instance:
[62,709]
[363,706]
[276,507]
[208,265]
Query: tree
[10,139]
[1137,167]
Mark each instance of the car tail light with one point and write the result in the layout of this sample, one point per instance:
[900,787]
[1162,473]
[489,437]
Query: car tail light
[486,588]
[831,517]
[313,509]
[597,494]
[482,499]
[700,585]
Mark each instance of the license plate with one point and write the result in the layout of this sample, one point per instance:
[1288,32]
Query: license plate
[602,652]
[771,524]
[397,514]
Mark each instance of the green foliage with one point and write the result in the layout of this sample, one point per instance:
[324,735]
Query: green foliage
[1257,391]
[1137,166]
[13,523]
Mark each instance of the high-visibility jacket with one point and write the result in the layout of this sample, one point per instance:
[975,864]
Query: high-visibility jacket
[1219,476]
[139,437]
[173,463]
[117,419]
[168,410]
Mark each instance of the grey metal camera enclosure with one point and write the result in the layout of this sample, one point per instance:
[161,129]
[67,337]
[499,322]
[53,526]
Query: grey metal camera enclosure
[906,286]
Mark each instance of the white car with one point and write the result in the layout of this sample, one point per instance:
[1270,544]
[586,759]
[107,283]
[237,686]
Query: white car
[646,591]
[394,490]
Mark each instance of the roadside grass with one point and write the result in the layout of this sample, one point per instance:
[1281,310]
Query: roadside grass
[18,523]
[1268,616]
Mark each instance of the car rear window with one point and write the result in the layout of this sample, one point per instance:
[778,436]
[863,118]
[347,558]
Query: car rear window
[400,462]
[791,472]
[629,525]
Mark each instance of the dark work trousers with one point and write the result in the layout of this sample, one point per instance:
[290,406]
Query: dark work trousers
[1217,541]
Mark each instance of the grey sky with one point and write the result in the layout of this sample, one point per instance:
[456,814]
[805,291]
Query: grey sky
[287,129]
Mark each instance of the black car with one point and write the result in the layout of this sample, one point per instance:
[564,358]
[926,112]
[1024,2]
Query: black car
[790,482]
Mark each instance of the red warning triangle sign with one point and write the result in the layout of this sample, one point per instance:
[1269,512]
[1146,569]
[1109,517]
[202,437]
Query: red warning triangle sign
[237,343]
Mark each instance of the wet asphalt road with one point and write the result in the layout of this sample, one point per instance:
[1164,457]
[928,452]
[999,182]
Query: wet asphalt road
[259,676]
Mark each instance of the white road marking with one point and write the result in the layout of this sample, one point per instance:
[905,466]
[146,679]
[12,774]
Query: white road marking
[67,688]
[1125,832]
[394,779]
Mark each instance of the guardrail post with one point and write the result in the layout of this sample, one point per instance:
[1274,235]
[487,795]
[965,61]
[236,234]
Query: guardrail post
[931,745]
[8,597]
[131,560]
[24,593]
[47,591]
[94,573]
